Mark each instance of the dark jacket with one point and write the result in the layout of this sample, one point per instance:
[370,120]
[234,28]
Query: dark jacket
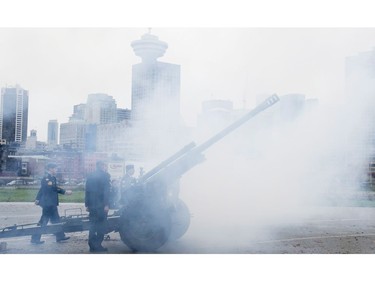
[97,190]
[48,192]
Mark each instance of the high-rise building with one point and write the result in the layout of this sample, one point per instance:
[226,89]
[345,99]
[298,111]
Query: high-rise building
[14,114]
[100,109]
[123,114]
[53,128]
[360,74]
[73,133]
[155,84]
[360,90]
[78,112]
[155,110]
[81,130]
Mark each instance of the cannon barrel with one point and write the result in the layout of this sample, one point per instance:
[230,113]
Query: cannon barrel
[154,213]
[166,162]
[264,105]
[148,221]
[191,155]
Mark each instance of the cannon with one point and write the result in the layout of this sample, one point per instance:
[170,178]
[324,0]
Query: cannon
[153,212]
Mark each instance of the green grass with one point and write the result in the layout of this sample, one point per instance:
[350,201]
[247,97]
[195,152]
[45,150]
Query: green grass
[358,203]
[28,195]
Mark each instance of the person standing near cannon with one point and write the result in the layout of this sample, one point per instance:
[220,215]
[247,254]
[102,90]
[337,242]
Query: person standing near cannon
[127,181]
[97,204]
[48,199]
[151,219]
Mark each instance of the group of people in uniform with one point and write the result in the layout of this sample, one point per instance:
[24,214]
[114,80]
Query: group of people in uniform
[98,192]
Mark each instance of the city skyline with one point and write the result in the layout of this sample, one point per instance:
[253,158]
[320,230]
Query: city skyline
[193,70]
[60,67]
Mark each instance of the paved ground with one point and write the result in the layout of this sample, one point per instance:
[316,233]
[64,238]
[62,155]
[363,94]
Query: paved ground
[320,230]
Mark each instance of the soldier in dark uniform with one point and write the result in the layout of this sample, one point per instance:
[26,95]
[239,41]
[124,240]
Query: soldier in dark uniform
[48,199]
[126,182]
[97,204]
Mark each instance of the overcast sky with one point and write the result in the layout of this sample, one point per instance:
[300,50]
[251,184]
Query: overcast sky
[61,66]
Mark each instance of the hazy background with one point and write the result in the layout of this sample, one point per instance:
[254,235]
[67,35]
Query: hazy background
[61,66]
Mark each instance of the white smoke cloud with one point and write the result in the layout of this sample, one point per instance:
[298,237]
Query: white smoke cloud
[264,175]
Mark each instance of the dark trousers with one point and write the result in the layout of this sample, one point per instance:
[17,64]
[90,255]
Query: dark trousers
[49,213]
[98,227]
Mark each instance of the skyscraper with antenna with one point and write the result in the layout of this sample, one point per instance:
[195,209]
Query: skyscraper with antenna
[157,123]
[155,84]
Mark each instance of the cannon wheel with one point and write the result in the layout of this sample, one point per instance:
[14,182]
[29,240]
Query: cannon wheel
[180,220]
[144,228]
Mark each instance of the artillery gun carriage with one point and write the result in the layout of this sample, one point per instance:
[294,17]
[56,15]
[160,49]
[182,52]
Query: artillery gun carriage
[153,213]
